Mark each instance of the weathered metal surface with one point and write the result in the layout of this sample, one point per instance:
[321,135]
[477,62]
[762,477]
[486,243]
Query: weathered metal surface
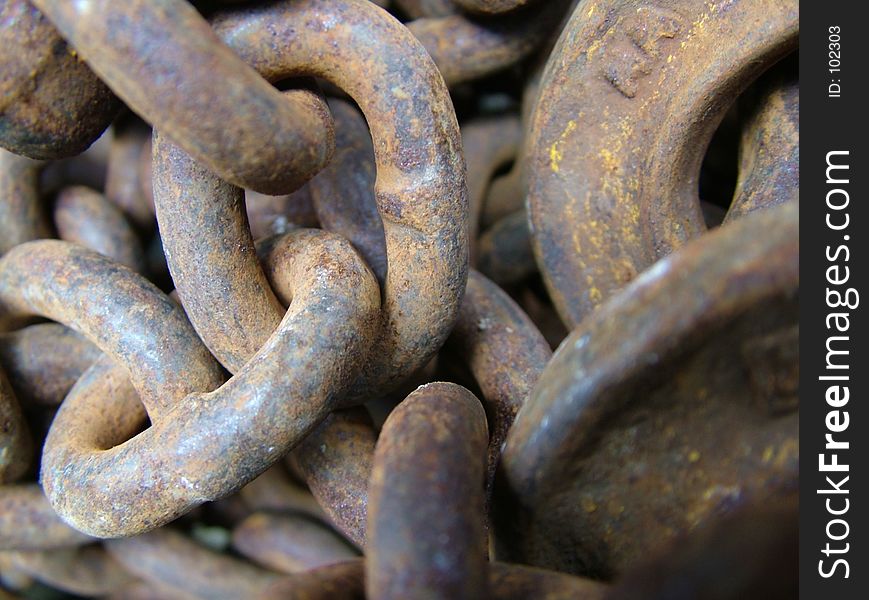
[21,215]
[491,7]
[630,98]
[86,217]
[335,460]
[343,192]
[124,185]
[420,190]
[416,9]
[289,543]
[751,554]
[344,581]
[769,170]
[160,57]
[505,254]
[426,523]
[674,402]
[43,361]
[276,215]
[16,445]
[86,571]
[188,455]
[51,104]
[173,562]
[505,353]
[27,521]
[488,144]
[273,491]
[467,48]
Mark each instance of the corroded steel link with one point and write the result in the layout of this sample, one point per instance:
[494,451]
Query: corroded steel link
[335,460]
[27,521]
[769,170]
[273,491]
[345,581]
[416,9]
[343,192]
[289,543]
[51,104]
[420,190]
[488,144]
[162,59]
[749,554]
[491,7]
[692,413]
[124,186]
[506,256]
[630,98]
[276,215]
[21,215]
[505,352]
[16,444]
[189,454]
[215,270]
[86,571]
[44,361]
[466,48]
[125,315]
[426,523]
[85,217]
[520,582]
[173,562]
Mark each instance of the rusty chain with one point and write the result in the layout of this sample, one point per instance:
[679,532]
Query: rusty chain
[415,299]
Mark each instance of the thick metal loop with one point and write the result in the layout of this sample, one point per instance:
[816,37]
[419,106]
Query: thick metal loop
[161,58]
[505,353]
[629,101]
[51,104]
[426,523]
[125,315]
[189,455]
[673,402]
[85,217]
[420,189]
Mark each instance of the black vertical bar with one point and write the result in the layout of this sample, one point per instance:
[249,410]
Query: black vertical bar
[834,560]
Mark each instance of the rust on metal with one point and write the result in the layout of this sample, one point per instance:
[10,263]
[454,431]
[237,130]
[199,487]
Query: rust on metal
[249,133]
[426,521]
[86,217]
[51,104]
[674,402]
[613,185]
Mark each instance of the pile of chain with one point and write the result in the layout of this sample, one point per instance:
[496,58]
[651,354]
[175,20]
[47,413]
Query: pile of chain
[280,285]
